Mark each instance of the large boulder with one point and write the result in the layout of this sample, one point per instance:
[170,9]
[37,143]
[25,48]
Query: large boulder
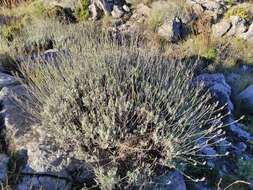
[245,99]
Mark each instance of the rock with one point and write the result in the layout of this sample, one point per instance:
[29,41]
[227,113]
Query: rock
[221,28]
[14,118]
[117,12]
[139,16]
[240,148]
[234,26]
[245,100]
[214,8]
[4,161]
[245,69]
[218,87]
[237,131]
[126,8]
[171,30]
[238,26]
[94,11]
[45,164]
[98,7]
[172,180]
[248,36]
[114,8]
[47,183]
[7,80]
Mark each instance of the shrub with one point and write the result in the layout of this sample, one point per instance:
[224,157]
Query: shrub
[132,114]
[13,28]
[210,54]
[82,10]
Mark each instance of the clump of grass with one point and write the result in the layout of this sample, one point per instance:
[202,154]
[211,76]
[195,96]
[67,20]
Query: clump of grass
[231,51]
[11,29]
[237,11]
[198,45]
[82,10]
[132,114]
[210,54]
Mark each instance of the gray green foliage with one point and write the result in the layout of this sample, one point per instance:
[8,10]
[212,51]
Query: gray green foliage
[132,114]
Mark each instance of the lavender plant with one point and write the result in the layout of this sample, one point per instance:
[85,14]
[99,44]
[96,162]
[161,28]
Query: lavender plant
[132,114]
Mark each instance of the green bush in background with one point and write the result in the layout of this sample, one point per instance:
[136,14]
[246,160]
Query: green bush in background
[82,10]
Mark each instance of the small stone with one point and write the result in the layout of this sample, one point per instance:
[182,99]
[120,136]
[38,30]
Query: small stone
[126,8]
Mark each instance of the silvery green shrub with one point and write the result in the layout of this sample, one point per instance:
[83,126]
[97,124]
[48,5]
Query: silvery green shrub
[132,114]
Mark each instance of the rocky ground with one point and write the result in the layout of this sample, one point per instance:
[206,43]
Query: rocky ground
[41,164]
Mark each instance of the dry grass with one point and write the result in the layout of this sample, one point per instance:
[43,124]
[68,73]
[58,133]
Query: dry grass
[11,3]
